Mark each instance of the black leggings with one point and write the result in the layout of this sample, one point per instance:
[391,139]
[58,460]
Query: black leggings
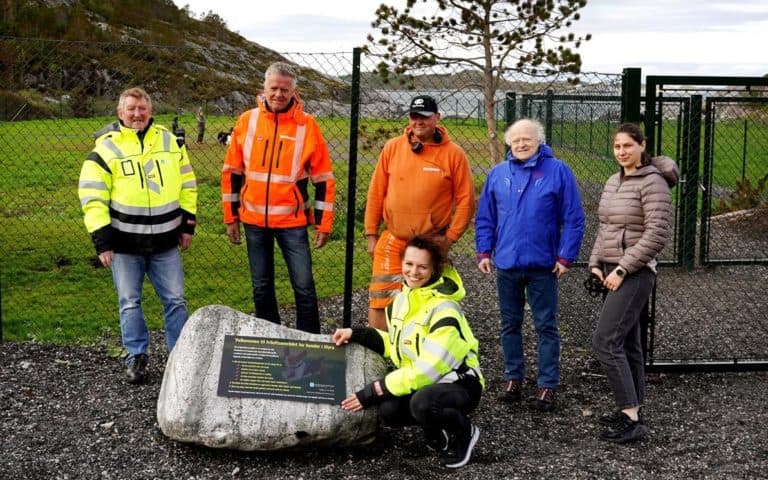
[440,406]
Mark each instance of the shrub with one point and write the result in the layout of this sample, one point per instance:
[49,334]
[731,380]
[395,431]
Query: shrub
[746,196]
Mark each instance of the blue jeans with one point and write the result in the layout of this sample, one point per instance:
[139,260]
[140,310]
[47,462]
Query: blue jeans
[294,243]
[541,287]
[165,272]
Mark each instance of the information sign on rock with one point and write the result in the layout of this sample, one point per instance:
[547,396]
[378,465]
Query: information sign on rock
[282,369]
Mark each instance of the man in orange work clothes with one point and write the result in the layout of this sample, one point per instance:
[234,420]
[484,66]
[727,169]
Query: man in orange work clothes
[422,185]
[276,149]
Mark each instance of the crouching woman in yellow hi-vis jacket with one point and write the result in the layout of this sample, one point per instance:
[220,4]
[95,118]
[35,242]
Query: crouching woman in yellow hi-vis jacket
[437,380]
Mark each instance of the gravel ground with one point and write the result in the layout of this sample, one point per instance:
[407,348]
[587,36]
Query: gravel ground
[65,412]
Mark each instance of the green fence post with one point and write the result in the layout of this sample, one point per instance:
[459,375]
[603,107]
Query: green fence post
[510,111]
[690,184]
[352,187]
[744,151]
[630,95]
[525,107]
[549,114]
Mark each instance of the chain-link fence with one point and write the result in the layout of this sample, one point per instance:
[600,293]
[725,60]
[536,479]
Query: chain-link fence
[52,292]
[710,310]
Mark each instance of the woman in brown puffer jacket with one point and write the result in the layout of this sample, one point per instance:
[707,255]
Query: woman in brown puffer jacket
[634,214]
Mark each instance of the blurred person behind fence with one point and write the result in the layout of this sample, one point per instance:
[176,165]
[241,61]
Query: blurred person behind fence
[634,214]
[530,225]
[200,125]
[139,197]
[422,184]
[437,381]
[275,150]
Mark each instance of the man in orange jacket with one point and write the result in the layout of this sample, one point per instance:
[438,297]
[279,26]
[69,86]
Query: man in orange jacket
[275,151]
[422,185]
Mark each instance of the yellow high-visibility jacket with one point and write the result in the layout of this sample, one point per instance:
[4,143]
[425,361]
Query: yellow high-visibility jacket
[137,190]
[429,338]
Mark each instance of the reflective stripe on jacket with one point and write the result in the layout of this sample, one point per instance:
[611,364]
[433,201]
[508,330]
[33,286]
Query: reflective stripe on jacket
[428,337]
[269,162]
[137,194]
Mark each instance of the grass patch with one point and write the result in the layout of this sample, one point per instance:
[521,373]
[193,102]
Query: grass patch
[52,293]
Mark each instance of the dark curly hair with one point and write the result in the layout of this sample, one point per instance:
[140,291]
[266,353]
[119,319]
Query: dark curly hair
[635,134]
[437,254]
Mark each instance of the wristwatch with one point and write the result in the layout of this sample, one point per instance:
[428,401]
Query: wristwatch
[620,272]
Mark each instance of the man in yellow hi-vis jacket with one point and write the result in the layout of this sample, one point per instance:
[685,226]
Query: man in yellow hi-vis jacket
[139,196]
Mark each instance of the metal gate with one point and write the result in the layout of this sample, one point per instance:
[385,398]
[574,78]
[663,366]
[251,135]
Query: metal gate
[717,129]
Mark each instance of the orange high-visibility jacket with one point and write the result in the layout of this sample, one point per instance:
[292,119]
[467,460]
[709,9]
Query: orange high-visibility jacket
[270,160]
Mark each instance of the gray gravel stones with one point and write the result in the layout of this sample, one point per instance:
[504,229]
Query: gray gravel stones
[66,413]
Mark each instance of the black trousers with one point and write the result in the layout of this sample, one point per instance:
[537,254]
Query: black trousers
[440,406]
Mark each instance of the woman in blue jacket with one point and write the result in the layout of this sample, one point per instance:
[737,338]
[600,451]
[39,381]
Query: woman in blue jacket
[530,221]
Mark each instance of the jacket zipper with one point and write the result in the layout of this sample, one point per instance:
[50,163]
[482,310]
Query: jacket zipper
[397,350]
[141,174]
[279,152]
[159,173]
[264,157]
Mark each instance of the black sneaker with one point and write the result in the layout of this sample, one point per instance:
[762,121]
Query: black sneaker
[610,419]
[625,430]
[464,446]
[136,370]
[545,399]
[437,440]
[513,392]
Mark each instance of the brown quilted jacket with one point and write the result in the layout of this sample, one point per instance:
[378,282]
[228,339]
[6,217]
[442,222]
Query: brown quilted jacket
[634,215]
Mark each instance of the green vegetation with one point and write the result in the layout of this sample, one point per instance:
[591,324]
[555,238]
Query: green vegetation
[79,55]
[53,293]
[745,196]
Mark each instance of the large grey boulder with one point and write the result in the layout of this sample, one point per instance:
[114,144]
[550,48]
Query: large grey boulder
[189,409]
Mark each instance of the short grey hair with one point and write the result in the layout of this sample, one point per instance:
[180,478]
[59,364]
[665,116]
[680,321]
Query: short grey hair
[537,126]
[135,92]
[283,69]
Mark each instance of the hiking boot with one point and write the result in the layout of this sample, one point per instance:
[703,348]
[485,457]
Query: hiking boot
[136,369]
[464,444]
[437,440]
[513,392]
[625,430]
[545,399]
[610,419]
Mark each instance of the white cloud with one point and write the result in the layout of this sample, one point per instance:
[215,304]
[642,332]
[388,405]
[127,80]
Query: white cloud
[668,37]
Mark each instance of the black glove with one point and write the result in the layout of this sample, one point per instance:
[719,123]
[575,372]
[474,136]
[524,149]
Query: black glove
[595,286]
[368,396]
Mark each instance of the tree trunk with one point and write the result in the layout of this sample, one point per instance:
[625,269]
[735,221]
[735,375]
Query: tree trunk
[494,144]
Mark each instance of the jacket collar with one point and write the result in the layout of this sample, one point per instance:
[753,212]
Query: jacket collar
[295,109]
[407,131]
[449,286]
[545,151]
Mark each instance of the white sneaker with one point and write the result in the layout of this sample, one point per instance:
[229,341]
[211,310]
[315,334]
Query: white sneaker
[464,448]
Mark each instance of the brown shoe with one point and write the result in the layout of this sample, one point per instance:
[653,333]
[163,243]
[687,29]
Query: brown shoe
[545,399]
[513,392]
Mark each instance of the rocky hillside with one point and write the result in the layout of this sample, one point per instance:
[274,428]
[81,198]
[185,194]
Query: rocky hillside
[88,50]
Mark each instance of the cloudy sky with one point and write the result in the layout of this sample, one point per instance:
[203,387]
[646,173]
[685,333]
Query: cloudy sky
[663,37]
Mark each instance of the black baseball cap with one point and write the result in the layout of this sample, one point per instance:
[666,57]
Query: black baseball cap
[423,105]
